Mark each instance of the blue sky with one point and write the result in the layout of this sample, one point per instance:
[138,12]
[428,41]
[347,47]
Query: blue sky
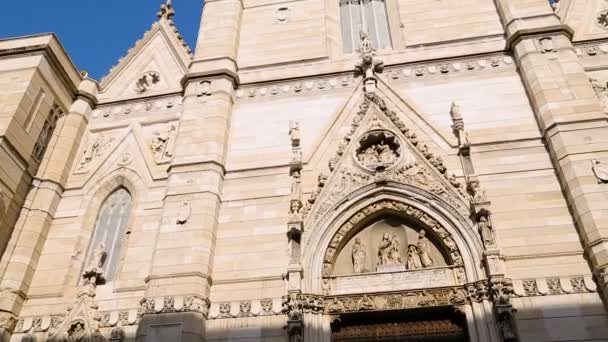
[96,33]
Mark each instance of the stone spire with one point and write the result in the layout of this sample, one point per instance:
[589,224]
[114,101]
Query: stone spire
[166,11]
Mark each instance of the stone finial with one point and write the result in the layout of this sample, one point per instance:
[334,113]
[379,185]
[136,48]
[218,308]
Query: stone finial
[166,11]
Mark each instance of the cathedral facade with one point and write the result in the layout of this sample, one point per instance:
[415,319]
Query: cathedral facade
[314,170]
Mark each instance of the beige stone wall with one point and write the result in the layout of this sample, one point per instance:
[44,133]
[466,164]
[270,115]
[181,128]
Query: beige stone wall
[231,160]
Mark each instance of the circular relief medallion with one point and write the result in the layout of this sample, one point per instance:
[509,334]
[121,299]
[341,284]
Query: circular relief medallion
[378,150]
[602,19]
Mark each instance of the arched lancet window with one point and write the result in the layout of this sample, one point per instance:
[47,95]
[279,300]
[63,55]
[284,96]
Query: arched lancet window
[111,228]
[364,15]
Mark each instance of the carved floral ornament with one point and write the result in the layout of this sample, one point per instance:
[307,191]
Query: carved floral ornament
[431,226]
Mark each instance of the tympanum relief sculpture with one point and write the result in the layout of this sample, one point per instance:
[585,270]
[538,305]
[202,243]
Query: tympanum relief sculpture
[378,248]
[162,144]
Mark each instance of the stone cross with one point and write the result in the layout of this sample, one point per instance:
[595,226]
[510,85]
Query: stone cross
[166,11]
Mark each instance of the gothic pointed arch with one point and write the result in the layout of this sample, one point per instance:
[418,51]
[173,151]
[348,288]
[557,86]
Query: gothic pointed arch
[123,189]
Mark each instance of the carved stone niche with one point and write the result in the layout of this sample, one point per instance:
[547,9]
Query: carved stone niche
[378,150]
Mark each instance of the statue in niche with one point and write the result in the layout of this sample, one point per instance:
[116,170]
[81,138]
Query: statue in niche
[413,258]
[395,254]
[77,332]
[423,249]
[486,231]
[94,150]
[384,250]
[162,143]
[380,154]
[359,257]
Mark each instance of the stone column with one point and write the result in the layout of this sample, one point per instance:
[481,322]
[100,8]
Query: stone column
[22,255]
[178,288]
[569,114]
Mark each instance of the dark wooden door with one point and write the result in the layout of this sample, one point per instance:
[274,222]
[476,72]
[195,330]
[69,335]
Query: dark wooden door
[439,325]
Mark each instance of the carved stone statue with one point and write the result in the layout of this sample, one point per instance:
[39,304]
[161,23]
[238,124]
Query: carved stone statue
[413,258]
[384,250]
[359,257]
[423,249]
[162,143]
[381,154]
[99,257]
[478,195]
[486,231]
[395,253]
[458,126]
[294,133]
[369,65]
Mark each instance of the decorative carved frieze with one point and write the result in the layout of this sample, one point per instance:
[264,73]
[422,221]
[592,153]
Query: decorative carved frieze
[334,305]
[136,109]
[249,308]
[8,322]
[594,49]
[554,286]
[174,304]
[393,73]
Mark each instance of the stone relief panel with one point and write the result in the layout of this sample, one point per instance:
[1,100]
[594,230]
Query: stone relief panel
[163,142]
[97,147]
[146,82]
[378,150]
[389,244]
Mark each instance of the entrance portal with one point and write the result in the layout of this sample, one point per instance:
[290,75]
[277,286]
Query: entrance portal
[419,325]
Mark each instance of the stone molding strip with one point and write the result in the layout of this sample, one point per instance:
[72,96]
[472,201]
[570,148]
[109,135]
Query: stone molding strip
[402,72]
[554,286]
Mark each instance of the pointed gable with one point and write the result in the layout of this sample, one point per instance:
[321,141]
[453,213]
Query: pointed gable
[381,148]
[154,66]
